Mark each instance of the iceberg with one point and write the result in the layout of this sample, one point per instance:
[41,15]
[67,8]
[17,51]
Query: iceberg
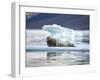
[60,33]
[64,34]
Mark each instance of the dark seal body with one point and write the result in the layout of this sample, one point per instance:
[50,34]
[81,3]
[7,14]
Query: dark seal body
[56,43]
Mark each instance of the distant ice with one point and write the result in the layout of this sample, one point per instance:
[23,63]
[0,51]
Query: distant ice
[36,37]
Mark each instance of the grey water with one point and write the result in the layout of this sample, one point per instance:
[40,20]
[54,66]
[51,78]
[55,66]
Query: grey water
[56,58]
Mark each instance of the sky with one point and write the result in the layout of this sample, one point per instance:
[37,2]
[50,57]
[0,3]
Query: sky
[72,21]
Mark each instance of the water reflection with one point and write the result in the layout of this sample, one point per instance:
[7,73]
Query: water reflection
[55,58]
[68,58]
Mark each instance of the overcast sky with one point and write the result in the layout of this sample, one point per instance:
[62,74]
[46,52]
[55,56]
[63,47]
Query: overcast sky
[37,20]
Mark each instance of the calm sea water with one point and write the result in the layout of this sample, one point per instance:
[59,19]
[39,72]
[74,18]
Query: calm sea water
[56,58]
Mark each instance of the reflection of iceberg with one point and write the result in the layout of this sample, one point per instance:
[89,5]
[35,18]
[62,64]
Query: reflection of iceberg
[56,58]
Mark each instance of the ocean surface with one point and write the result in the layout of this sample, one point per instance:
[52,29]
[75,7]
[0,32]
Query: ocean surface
[37,56]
